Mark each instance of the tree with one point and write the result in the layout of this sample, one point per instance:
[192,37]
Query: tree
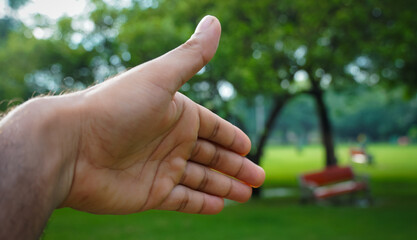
[274,49]
[307,47]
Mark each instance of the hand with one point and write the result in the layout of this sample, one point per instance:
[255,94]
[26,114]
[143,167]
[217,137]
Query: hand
[142,145]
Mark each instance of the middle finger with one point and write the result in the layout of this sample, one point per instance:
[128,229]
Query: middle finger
[227,162]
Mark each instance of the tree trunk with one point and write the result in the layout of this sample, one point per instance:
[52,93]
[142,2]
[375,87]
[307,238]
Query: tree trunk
[255,156]
[325,126]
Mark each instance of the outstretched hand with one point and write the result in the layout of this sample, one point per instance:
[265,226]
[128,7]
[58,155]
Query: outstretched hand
[142,145]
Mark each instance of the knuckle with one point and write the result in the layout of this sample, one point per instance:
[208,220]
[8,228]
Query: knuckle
[240,169]
[204,182]
[184,203]
[214,162]
[229,189]
[203,206]
[196,150]
[183,178]
[233,140]
[215,131]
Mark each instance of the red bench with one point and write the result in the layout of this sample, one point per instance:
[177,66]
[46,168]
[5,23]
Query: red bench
[360,156]
[331,183]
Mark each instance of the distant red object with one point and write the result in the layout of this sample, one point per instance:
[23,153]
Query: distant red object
[359,155]
[403,141]
[332,182]
[357,151]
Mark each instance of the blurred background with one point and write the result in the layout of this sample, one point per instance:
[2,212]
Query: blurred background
[311,83]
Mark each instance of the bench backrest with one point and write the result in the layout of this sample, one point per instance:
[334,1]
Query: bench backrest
[329,175]
[357,151]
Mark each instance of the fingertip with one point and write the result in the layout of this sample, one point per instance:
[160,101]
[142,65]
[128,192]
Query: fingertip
[242,144]
[260,177]
[212,205]
[208,33]
[206,22]
[247,145]
[245,196]
[253,176]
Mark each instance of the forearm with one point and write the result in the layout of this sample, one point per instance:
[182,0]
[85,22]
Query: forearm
[35,173]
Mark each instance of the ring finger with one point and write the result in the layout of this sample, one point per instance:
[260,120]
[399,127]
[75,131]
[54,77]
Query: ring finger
[204,179]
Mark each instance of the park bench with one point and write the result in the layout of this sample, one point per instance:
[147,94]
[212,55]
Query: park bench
[359,155]
[334,184]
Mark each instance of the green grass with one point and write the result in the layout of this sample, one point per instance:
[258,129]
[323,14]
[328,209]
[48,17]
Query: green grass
[393,216]
[392,163]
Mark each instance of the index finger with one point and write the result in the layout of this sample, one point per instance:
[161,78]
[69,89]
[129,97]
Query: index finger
[217,130]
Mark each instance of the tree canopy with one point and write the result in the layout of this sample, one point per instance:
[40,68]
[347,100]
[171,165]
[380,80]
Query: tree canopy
[273,49]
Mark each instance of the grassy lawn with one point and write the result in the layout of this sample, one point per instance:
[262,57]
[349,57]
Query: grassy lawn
[392,163]
[393,216]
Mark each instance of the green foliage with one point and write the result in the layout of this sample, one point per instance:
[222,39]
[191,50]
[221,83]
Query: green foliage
[6,24]
[16,4]
[339,44]
[380,114]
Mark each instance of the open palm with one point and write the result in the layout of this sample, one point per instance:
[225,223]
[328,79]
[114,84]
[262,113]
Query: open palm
[145,146]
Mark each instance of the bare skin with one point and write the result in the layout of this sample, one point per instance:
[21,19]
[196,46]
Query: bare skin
[130,144]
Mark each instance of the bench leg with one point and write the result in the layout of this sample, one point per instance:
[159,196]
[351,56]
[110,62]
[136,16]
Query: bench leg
[368,196]
[352,198]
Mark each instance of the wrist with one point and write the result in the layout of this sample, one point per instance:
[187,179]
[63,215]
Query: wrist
[61,130]
[52,125]
[38,143]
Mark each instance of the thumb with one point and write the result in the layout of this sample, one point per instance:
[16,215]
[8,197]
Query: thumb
[176,67]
